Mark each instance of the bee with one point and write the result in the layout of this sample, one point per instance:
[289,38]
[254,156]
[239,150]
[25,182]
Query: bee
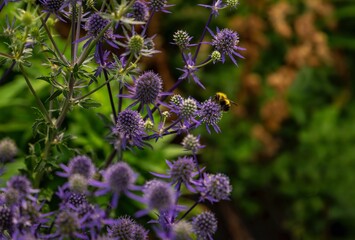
[223,101]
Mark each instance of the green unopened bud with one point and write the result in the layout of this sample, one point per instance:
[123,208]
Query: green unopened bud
[232,3]
[136,44]
[148,125]
[216,56]
[26,18]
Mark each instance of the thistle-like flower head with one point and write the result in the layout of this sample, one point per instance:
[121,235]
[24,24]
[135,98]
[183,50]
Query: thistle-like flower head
[140,11]
[191,143]
[226,42]
[214,187]
[81,165]
[182,39]
[159,195]
[130,128]
[205,225]
[6,219]
[210,114]
[120,177]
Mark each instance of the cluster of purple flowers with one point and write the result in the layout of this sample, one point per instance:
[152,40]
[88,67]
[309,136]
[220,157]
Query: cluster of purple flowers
[79,216]
[22,215]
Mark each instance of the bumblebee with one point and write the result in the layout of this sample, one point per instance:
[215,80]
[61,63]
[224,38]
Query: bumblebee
[223,101]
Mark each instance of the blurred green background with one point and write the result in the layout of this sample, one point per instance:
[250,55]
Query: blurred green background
[289,145]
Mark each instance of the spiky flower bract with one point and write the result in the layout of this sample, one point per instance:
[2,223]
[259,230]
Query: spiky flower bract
[205,225]
[226,42]
[78,165]
[130,128]
[210,114]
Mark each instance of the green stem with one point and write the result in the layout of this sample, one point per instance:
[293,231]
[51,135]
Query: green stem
[6,55]
[67,102]
[92,91]
[61,56]
[38,100]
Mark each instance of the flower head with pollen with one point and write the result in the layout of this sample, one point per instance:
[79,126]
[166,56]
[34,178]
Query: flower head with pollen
[210,114]
[226,42]
[118,178]
[129,129]
[205,225]
[192,143]
[158,6]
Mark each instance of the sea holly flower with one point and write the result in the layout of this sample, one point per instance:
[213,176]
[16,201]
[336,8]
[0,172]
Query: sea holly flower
[146,91]
[118,179]
[140,11]
[78,165]
[180,172]
[53,6]
[192,143]
[94,25]
[215,6]
[213,187]
[129,129]
[67,225]
[182,39]
[138,45]
[6,220]
[210,114]
[205,225]
[159,6]
[226,42]
[104,62]
[189,70]
[126,228]
[182,230]
[22,186]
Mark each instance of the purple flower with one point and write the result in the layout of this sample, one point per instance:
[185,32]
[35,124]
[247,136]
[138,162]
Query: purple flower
[52,6]
[129,129]
[94,25]
[20,188]
[140,11]
[159,5]
[128,229]
[180,172]
[226,42]
[6,220]
[118,178]
[103,62]
[67,224]
[146,91]
[159,195]
[210,114]
[215,7]
[214,187]
[78,165]
[205,225]
[189,70]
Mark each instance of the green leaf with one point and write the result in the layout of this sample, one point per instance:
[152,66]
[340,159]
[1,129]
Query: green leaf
[89,103]
[54,95]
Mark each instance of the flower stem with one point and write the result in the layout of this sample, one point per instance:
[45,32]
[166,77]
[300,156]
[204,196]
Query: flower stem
[188,211]
[38,100]
[203,36]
